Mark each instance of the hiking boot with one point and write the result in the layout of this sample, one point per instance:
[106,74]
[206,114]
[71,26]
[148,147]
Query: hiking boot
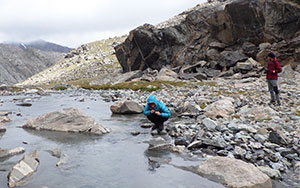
[163,132]
[154,132]
[272,102]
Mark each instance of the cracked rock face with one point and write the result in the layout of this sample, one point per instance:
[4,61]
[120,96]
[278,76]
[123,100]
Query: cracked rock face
[226,32]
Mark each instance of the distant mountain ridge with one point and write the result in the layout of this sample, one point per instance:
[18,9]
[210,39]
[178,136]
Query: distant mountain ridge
[87,62]
[18,64]
[41,45]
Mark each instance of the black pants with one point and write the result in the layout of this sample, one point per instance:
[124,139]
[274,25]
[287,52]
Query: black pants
[158,121]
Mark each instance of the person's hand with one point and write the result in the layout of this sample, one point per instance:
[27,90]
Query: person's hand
[157,113]
[274,71]
[152,111]
[266,71]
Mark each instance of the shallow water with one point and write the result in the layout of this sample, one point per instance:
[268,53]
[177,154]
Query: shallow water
[117,159]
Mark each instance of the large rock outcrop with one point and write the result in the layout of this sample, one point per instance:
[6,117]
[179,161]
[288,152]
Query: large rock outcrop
[66,120]
[222,33]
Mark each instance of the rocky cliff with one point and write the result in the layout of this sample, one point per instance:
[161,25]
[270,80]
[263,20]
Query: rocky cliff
[87,62]
[18,64]
[220,32]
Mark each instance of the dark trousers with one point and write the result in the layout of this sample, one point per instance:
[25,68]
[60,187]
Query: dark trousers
[158,121]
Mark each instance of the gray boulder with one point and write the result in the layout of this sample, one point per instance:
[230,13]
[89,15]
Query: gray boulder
[66,120]
[222,108]
[233,173]
[126,107]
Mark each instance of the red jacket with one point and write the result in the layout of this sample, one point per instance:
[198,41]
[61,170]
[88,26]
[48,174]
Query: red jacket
[273,69]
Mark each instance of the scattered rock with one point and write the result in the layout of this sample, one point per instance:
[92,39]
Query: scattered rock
[23,169]
[8,153]
[126,107]
[135,133]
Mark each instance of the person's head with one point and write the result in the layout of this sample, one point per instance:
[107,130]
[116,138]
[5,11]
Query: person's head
[151,101]
[271,56]
[152,105]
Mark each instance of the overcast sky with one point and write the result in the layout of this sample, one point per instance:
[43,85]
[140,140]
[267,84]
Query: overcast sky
[75,22]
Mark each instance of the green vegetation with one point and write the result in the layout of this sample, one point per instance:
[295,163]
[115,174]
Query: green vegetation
[202,106]
[135,86]
[297,113]
[61,88]
[211,84]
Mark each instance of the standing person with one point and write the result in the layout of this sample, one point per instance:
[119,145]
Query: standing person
[157,113]
[272,77]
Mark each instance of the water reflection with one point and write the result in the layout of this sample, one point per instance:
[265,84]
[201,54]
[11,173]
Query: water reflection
[64,137]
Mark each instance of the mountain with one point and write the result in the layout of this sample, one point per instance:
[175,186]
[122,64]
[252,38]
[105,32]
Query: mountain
[42,45]
[18,64]
[88,62]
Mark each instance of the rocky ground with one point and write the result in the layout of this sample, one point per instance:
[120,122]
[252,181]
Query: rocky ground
[229,116]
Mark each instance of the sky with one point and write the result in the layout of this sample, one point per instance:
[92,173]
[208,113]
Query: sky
[75,22]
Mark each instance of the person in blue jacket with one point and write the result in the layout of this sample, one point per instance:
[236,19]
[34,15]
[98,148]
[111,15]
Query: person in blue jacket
[157,113]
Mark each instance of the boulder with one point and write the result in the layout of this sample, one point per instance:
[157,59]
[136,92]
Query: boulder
[8,153]
[233,173]
[126,107]
[166,74]
[258,113]
[222,108]
[23,169]
[66,120]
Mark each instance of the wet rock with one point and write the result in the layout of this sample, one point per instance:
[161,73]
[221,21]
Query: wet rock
[23,169]
[126,107]
[24,104]
[63,160]
[2,127]
[55,152]
[66,120]
[147,125]
[159,143]
[135,133]
[227,171]
[8,153]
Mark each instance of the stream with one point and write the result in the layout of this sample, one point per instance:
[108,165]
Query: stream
[117,159]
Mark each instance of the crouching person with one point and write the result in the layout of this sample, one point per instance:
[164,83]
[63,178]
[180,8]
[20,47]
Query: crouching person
[157,113]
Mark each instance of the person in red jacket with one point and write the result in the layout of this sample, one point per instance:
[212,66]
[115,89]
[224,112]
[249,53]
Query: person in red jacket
[272,76]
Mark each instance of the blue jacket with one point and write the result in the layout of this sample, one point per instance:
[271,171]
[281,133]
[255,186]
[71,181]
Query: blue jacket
[164,112]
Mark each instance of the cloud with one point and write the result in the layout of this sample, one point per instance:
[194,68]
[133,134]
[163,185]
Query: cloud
[74,22]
